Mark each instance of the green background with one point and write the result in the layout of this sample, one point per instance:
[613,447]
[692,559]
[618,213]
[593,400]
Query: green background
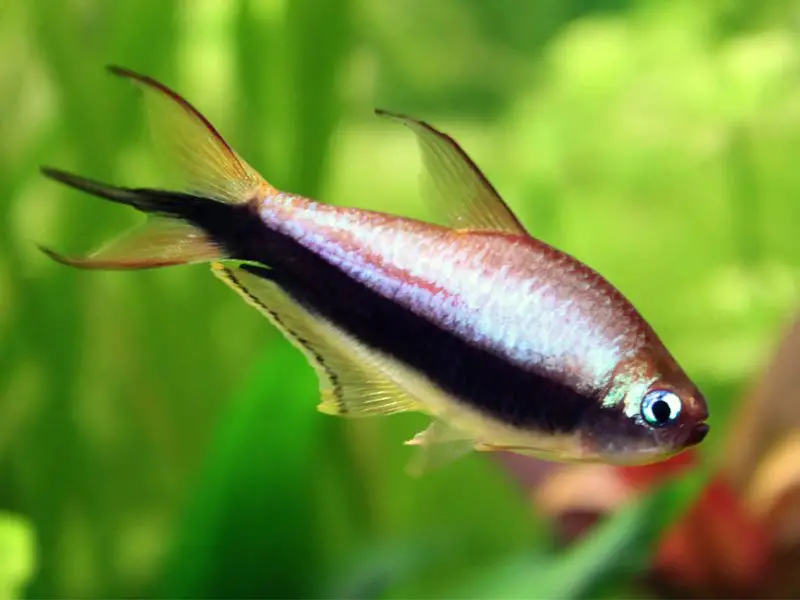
[158,437]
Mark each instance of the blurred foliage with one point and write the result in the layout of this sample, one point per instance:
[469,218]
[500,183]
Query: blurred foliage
[17,555]
[161,438]
[618,550]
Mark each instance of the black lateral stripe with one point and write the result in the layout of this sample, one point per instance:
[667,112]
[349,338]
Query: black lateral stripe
[485,381]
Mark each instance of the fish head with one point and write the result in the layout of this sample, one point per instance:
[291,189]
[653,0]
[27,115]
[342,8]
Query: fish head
[650,411]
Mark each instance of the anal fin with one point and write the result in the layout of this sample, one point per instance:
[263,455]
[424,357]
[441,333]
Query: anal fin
[355,381]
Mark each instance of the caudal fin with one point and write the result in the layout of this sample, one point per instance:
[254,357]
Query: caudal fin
[168,237]
[194,149]
[148,201]
[180,225]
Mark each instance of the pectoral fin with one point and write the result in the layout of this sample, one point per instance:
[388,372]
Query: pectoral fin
[439,445]
[355,381]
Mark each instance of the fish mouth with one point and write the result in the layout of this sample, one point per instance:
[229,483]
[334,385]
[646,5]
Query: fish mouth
[697,434]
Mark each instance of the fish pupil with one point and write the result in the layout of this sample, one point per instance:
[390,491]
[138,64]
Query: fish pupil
[661,411]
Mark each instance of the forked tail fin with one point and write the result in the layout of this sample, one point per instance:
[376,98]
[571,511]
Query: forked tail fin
[180,224]
[170,236]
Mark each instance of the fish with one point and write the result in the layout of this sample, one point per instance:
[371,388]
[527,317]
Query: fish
[504,341]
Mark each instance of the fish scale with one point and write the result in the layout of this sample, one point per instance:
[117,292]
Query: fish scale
[515,311]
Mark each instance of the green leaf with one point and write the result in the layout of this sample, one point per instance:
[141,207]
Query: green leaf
[620,548]
[249,529]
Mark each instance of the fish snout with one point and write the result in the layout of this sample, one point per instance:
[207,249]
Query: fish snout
[695,415]
[697,434]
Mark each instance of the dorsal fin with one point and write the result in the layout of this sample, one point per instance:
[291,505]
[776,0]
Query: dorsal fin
[459,192]
[208,165]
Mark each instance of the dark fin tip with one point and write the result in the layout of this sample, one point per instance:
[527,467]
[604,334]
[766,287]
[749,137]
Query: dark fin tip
[148,81]
[403,118]
[106,265]
[117,70]
[59,258]
[86,185]
[75,181]
[388,114]
[263,272]
[127,73]
[58,175]
[77,263]
[140,79]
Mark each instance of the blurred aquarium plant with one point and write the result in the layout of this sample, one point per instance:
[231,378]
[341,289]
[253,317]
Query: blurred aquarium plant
[159,438]
[17,555]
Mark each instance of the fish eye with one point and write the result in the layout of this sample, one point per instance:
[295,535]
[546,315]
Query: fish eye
[660,408]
